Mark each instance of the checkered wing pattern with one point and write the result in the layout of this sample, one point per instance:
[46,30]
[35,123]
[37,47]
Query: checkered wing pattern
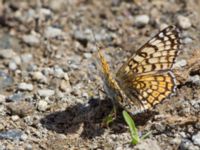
[146,78]
[157,54]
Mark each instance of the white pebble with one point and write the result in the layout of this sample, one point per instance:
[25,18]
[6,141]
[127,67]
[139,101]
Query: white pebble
[42,105]
[46,92]
[25,86]
[51,32]
[196,139]
[58,72]
[184,22]
[141,20]
[12,65]
[38,76]
[17,60]
[7,53]
[181,63]
[31,39]
[2,98]
[26,58]
[14,117]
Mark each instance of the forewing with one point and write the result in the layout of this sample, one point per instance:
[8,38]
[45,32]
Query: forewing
[157,54]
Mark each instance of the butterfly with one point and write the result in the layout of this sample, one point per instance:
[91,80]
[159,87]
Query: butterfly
[146,79]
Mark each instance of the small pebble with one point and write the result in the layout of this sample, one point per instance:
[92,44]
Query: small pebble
[196,139]
[184,22]
[51,32]
[58,72]
[186,144]
[181,63]
[15,97]
[3,110]
[12,65]
[187,40]
[87,55]
[38,76]
[24,137]
[194,79]
[2,98]
[25,86]
[147,144]
[2,127]
[65,86]
[17,60]
[159,127]
[21,108]
[31,40]
[59,4]
[45,12]
[42,105]
[26,58]
[6,80]
[46,92]
[7,53]
[141,20]
[13,134]
[14,117]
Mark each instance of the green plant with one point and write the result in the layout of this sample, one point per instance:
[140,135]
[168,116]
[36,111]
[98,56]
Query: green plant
[133,130]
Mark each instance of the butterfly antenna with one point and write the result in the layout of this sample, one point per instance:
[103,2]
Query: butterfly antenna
[95,41]
[97,46]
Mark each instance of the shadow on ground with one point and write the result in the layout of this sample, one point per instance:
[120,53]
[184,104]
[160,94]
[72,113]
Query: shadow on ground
[87,120]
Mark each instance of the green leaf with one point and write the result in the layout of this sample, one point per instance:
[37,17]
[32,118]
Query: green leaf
[132,127]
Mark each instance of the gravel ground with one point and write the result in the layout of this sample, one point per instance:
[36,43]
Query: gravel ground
[50,84]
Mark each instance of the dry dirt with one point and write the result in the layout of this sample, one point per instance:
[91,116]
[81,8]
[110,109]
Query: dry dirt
[50,84]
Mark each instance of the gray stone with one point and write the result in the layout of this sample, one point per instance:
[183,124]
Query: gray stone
[196,139]
[27,58]
[13,134]
[42,105]
[5,80]
[51,32]
[24,137]
[46,92]
[14,117]
[7,53]
[58,72]
[25,86]
[141,20]
[44,12]
[159,127]
[187,40]
[3,110]
[2,98]
[15,97]
[21,108]
[17,60]
[65,86]
[181,63]
[87,55]
[39,77]
[184,22]
[12,65]
[186,144]
[59,4]
[194,79]
[31,39]
[8,41]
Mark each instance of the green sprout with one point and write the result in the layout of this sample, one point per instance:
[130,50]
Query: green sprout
[133,130]
[110,118]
